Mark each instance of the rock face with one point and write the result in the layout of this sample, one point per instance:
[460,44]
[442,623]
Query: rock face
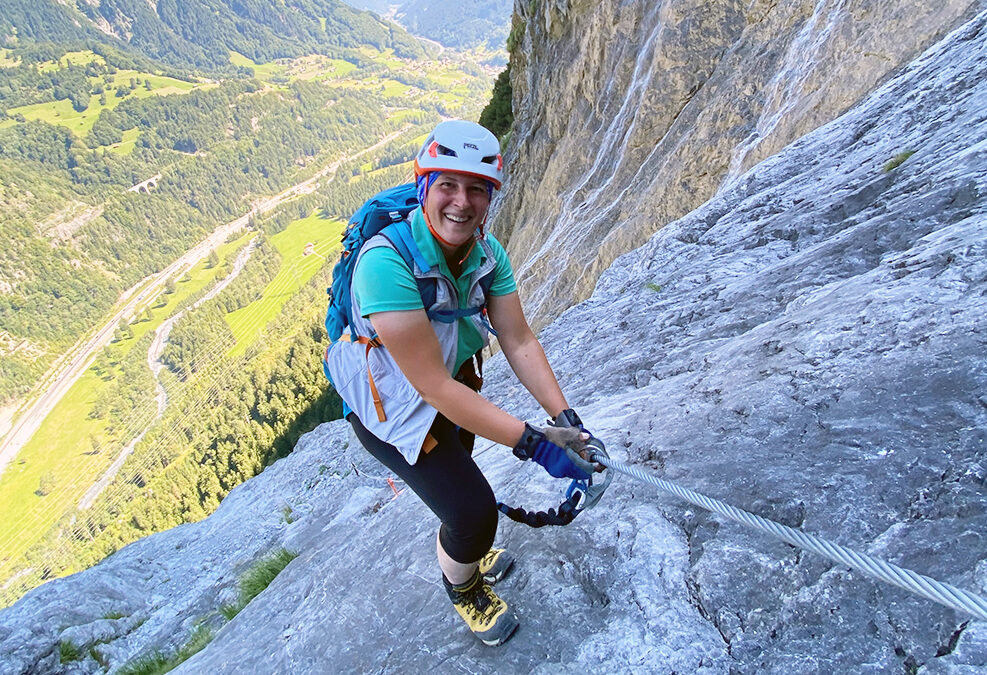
[629,115]
[809,345]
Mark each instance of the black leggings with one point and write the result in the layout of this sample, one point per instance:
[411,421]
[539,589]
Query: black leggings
[449,482]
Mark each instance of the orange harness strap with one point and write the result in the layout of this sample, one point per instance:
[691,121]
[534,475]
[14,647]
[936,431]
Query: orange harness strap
[371,343]
[430,441]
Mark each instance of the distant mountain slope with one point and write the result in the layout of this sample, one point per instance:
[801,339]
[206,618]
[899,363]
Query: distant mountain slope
[459,24]
[450,22]
[201,33]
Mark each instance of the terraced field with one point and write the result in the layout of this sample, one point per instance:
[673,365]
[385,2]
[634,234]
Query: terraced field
[249,322]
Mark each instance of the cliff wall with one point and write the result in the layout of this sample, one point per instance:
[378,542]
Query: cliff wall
[809,345]
[629,115]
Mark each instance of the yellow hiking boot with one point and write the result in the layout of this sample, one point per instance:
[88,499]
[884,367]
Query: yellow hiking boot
[495,565]
[489,617]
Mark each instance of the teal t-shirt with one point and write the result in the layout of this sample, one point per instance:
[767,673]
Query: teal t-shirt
[382,281]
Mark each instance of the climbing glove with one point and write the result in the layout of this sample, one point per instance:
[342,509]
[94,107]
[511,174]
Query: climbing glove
[569,418]
[556,449]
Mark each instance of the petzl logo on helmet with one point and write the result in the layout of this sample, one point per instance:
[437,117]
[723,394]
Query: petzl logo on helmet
[471,146]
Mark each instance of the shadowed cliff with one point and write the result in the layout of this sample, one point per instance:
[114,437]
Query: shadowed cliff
[629,115]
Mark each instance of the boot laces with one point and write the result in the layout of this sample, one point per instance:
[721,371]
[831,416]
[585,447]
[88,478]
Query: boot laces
[482,601]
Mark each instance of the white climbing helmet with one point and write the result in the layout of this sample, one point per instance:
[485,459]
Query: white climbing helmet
[461,147]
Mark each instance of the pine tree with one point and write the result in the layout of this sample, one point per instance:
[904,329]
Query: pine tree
[124,331]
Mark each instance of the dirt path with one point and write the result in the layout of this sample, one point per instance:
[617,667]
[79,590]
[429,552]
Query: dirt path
[75,362]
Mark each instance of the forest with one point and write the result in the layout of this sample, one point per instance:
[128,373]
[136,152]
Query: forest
[215,149]
[115,159]
[209,441]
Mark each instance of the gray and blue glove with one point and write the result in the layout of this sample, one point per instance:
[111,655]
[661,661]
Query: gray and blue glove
[569,418]
[594,488]
[556,449]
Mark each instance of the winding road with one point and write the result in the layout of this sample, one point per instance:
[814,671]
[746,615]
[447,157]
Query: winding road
[154,362]
[75,362]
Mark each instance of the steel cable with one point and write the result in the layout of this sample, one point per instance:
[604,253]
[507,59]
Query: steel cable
[927,587]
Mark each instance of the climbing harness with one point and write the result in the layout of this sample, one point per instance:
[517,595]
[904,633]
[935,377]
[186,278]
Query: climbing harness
[927,587]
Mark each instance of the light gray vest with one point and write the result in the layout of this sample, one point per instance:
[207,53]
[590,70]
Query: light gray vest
[408,416]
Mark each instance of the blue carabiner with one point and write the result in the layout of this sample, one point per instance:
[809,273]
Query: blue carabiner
[577,486]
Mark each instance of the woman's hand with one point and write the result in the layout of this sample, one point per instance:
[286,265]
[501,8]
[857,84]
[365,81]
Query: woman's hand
[556,449]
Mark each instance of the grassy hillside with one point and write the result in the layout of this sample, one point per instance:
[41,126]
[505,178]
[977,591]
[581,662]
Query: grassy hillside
[199,34]
[243,378]
[80,232]
[41,493]
[247,324]
[58,465]
[108,87]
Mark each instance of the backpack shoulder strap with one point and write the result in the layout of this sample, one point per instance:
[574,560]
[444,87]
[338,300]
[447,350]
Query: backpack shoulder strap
[400,237]
[487,280]
[399,234]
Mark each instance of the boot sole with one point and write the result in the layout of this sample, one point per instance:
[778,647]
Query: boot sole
[498,642]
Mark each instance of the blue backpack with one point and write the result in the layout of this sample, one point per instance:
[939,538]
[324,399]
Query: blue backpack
[384,208]
[385,213]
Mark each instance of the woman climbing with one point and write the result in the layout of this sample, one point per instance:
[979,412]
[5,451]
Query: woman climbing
[409,368]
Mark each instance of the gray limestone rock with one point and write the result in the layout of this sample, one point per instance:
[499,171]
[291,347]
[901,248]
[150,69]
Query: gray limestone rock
[629,115]
[809,345]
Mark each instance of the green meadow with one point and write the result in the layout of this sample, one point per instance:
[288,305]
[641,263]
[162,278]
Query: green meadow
[126,144]
[248,323]
[78,58]
[262,71]
[385,57]
[393,88]
[446,77]
[408,165]
[318,67]
[449,98]
[401,115]
[81,123]
[73,456]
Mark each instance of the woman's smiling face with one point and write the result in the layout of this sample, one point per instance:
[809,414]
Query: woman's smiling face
[456,205]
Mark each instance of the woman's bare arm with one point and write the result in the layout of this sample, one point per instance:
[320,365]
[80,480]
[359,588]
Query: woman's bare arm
[525,353]
[411,341]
